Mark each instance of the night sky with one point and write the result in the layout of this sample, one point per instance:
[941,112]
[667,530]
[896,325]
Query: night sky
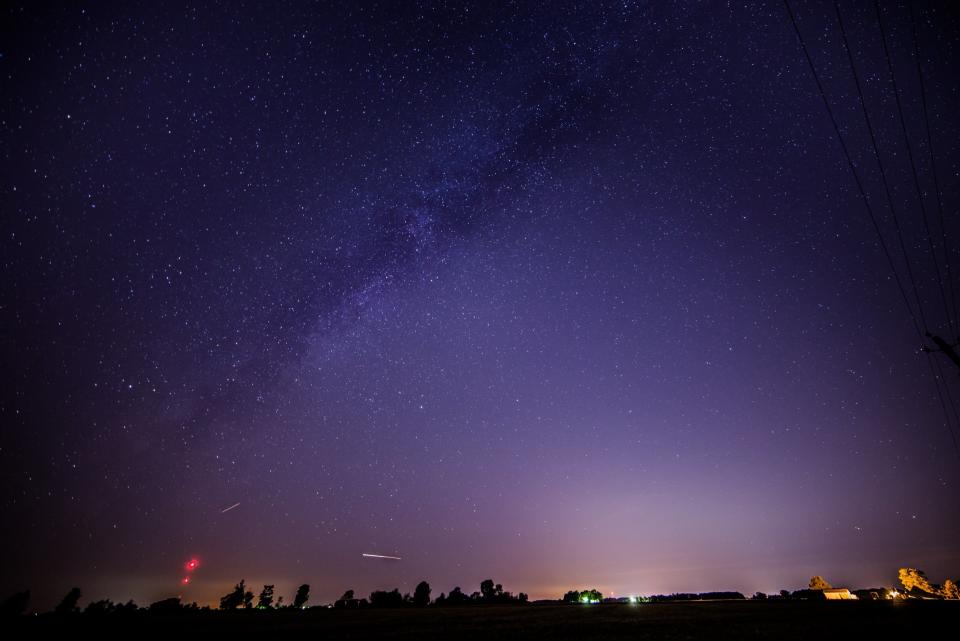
[567,296]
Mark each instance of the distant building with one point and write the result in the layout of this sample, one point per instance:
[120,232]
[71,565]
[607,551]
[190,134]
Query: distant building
[838,594]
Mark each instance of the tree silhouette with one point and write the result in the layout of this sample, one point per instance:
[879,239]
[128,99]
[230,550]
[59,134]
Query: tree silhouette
[384,599]
[487,589]
[103,606]
[69,603]
[125,608]
[15,604]
[166,606]
[303,594]
[591,596]
[239,596]
[421,595]
[587,596]
[457,597]
[265,601]
[819,583]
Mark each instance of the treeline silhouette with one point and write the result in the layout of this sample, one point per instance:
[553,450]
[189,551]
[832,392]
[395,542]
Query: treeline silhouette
[489,593]
[586,596]
[242,598]
[914,581]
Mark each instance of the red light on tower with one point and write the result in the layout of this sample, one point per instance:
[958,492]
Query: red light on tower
[185,580]
[192,565]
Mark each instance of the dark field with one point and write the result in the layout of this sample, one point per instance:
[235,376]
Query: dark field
[716,620]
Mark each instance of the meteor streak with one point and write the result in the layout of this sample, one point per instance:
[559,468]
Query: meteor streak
[381,556]
[229,508]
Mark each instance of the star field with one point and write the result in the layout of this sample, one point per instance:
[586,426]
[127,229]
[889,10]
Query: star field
[562,295]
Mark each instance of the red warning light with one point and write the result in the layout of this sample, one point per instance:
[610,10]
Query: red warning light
[192,565]
[185,580]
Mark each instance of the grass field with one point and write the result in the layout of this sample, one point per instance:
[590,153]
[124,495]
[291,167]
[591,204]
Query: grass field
[696,620]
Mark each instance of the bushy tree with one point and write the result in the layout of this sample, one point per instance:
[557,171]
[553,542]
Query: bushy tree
[488,589]
[819,583]
[912,578]
[237,597]
[167,606]
[103,606]
[384,599]
[303,594]
[126,608]
[491,592]
[265,602]
[69,602]
[457,597]
[950,590]
[591,596]
[421,594]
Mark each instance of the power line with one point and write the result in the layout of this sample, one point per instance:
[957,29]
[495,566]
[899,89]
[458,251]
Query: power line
[938,374]
[913,167]
[853,170]
[933,363]
[933,167]
[883,173]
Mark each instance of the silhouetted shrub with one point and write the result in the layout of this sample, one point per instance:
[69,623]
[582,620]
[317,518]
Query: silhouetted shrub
[69,603]
[457,597]
[166,606]
[239,596]
[104,606]
[15,604]
[384,599]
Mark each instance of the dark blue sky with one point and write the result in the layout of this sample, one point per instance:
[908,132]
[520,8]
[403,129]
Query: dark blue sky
[565,296]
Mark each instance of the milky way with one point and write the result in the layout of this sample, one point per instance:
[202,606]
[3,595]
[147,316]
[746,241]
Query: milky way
[569,296]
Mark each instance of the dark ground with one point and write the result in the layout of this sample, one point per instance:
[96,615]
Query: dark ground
[715,620]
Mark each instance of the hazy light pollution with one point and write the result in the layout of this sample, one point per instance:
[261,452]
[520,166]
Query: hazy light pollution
[566,296]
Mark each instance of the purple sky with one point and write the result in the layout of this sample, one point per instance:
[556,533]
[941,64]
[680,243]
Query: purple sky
[567,297]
